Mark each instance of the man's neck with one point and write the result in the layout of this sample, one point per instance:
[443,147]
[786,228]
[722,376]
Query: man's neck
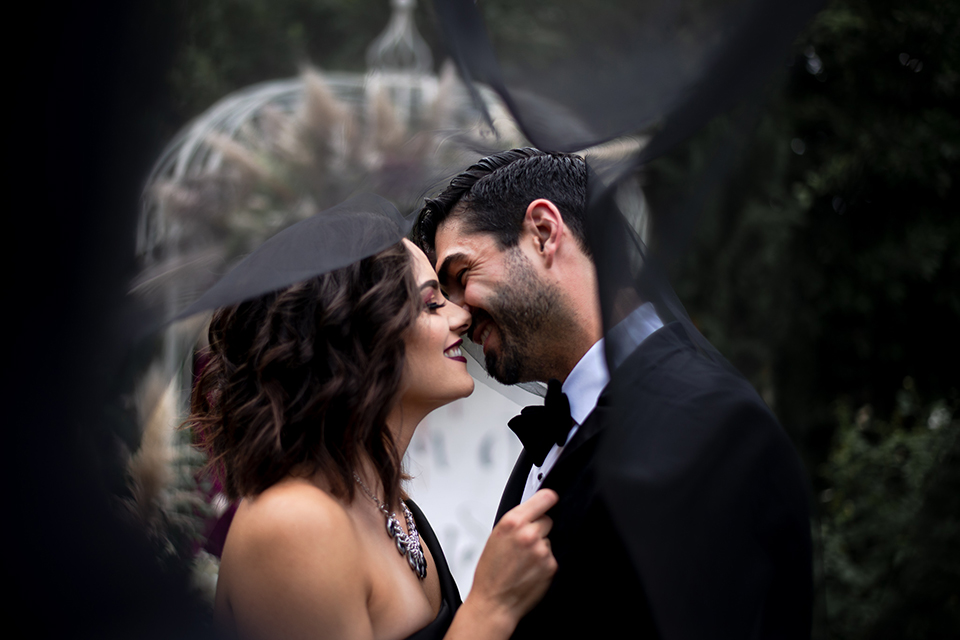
[573,356]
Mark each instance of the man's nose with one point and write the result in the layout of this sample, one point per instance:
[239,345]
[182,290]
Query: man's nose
[463,305]
[457,298]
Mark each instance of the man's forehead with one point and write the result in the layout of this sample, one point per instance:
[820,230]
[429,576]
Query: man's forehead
[456,243]
[450,231]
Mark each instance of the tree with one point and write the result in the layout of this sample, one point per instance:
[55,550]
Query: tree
[825,267]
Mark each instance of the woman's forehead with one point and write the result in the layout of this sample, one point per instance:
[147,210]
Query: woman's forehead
[422,269]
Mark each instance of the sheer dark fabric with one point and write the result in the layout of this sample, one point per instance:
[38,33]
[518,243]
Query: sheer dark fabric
[655,70]
[344,234]
[598,70]
[690,475]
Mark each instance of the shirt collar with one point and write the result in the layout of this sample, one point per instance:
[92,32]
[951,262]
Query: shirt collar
[627,335]
[585,382]
[590,375]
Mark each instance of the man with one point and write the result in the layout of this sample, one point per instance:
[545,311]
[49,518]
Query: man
[682,508]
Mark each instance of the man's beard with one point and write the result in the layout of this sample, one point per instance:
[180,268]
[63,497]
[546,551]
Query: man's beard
[528,313]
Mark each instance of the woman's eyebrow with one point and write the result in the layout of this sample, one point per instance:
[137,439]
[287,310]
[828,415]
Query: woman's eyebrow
[430,284]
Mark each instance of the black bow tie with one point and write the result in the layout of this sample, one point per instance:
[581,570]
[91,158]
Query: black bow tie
[539,428]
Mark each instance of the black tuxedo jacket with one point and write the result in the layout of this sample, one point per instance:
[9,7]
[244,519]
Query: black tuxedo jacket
[683,509]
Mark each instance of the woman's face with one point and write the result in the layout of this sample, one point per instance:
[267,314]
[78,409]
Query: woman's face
[435,371]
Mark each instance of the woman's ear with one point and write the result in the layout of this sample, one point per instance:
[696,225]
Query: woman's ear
[544,223]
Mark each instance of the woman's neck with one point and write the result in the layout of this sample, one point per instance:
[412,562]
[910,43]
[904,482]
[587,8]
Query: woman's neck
[402,421]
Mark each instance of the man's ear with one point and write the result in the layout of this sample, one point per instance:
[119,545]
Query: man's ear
[545,225]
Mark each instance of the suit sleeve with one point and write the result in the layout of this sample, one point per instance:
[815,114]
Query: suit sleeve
[710,499]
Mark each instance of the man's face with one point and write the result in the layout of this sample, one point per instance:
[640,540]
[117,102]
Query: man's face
[512,307]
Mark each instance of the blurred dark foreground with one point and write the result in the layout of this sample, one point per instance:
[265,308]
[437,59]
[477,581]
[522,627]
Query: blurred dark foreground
[825,269]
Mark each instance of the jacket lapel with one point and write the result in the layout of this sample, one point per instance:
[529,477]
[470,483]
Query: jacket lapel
[579,444]
[582,443]
[515,485]
[587,433]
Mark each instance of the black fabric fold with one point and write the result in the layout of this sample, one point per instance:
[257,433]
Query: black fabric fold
[354,229]
[448,587]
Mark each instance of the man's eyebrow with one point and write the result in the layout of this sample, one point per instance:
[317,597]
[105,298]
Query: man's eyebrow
[442,271]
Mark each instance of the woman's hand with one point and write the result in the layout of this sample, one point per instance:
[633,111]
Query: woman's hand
[515,569]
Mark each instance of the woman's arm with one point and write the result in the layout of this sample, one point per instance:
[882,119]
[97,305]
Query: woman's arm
[513,574]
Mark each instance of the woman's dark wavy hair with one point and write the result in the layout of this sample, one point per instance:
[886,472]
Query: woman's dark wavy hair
[302,379]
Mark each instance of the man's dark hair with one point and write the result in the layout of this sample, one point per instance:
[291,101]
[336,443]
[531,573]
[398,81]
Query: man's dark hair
[492,196]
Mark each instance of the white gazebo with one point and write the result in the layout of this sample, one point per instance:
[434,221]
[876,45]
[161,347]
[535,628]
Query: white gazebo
[267,156]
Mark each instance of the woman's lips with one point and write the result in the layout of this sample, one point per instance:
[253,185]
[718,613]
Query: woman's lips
[453,352]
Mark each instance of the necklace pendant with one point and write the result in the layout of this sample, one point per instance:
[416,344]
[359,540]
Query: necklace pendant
[418,563]
[408,545]
[394,528]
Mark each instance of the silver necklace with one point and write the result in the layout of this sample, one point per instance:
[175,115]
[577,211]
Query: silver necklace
[408,545]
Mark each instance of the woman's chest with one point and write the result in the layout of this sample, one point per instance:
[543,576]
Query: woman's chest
[400,602]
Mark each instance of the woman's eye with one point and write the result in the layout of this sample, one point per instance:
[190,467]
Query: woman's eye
[433,306]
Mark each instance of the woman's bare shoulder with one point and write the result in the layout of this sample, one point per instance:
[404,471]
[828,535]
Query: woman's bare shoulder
[290,510]
[294,549]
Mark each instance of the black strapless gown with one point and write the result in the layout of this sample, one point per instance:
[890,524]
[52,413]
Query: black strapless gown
[448,587]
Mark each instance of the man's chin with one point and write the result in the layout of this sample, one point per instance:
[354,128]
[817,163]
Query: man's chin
[503,370]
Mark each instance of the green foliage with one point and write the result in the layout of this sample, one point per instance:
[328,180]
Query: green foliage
[891,523]
[825,265]
[826,260]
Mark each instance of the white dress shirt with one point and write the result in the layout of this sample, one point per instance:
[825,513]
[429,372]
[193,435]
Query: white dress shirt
[590,376]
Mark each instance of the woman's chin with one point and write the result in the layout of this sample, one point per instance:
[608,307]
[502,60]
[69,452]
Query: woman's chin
[464,390]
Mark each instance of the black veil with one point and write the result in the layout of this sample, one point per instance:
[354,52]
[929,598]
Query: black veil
[346,233]
[624,84]
[694,59]
[627,84]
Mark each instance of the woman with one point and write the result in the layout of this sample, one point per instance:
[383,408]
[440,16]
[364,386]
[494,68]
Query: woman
[307,405]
